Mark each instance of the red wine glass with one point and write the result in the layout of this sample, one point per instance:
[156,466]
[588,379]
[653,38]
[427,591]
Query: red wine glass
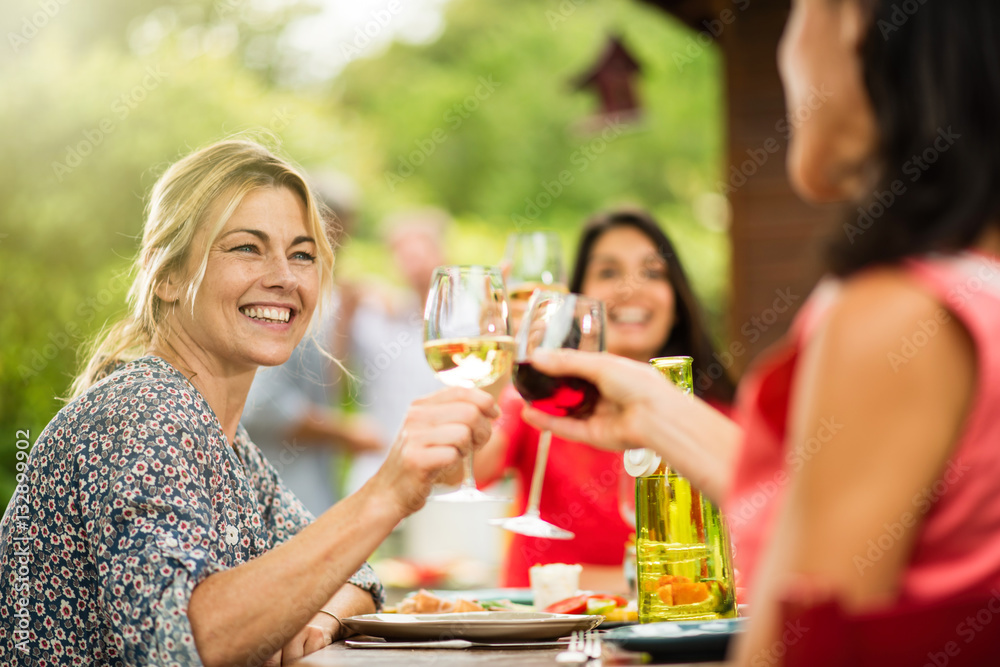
[554,320]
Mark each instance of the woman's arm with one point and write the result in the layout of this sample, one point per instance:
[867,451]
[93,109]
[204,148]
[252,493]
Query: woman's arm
[250,612]
[869,436]
[487,466]
[639,408]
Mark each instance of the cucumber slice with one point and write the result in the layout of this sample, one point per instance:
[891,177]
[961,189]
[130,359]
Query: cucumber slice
[597,606]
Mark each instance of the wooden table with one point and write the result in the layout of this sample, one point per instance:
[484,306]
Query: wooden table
[339,655]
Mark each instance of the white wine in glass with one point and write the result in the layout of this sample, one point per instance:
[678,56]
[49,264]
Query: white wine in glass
[470,362]
[466,341]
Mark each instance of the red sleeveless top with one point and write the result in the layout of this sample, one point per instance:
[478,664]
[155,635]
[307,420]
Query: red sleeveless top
[957,550]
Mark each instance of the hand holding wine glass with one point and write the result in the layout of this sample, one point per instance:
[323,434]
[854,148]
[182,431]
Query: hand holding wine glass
[634,411]
[630,394]
[466,340]
[437,430]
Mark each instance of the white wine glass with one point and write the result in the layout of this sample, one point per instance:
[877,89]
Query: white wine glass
[466,341]
[554,320]
[534,261]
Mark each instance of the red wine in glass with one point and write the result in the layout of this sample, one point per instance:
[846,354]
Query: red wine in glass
[559,396]
[558,321]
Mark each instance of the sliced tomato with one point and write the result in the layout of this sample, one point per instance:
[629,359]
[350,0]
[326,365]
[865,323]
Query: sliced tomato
[578,603]
[574,605]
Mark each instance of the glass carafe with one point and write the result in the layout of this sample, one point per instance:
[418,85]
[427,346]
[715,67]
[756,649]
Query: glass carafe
[684,559]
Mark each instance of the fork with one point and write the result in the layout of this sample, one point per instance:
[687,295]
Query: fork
[573,655]
[592,646]
[583,647]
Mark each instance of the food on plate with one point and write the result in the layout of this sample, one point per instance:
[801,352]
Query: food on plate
[629,614]
[612,607]
[425,602]
[554,582]
[505,605]
[600,606]
[467,605]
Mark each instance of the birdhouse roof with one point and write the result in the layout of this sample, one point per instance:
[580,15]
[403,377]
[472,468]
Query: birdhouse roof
[614,56]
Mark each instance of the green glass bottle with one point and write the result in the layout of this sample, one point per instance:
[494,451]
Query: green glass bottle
[684,559]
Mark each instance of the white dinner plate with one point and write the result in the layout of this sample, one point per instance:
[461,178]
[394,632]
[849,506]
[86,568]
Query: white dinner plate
[472,625]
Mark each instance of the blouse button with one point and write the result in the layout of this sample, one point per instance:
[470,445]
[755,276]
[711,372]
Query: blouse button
[170,541]
[232,535]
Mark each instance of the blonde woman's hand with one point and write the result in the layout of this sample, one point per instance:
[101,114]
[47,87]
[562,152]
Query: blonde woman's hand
[318,634]
[438,431]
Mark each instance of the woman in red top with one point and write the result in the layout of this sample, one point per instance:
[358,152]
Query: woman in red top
[625,260]
[866,452]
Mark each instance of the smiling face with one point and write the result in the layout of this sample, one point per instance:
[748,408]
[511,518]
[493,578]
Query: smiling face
[259,290]
[821,69]
[626,272]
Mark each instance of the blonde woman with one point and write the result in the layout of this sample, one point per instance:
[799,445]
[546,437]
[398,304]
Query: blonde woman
[157,534]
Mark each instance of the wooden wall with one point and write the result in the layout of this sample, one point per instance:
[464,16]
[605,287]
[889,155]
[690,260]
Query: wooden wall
[775,236]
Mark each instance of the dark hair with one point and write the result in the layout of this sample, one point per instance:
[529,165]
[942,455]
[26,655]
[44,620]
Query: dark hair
[689,335]
[933,76]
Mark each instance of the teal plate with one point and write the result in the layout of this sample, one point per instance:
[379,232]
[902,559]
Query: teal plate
[679,641]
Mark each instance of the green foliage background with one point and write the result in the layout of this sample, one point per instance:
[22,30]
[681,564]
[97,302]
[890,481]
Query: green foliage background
[101,97]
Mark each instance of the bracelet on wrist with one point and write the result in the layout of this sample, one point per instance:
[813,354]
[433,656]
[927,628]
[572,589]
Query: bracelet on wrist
[335,617]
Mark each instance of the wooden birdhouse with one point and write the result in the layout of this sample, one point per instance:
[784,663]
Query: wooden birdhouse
[613,78]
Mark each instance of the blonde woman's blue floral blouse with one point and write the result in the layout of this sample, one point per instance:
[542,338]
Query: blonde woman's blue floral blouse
[132,497]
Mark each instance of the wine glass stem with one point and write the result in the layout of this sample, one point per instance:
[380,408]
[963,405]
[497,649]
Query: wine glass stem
[541,459]
[469,479]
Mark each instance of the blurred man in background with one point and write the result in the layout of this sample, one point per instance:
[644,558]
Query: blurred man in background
[381,332]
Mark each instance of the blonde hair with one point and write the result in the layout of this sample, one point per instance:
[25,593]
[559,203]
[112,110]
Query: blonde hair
[214,178]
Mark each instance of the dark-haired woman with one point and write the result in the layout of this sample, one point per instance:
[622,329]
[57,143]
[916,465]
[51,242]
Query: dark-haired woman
[619,254]
[866,464]
[625,260]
